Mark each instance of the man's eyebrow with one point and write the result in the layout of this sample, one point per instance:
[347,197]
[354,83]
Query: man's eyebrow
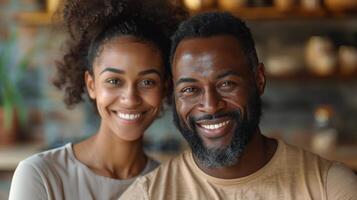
[150,71]
[186,80]
[110,69]
[228,73]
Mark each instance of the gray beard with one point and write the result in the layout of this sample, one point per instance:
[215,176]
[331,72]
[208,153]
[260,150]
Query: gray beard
[228,155]
[218,157]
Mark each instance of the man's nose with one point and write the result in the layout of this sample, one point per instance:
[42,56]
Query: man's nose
[211,101]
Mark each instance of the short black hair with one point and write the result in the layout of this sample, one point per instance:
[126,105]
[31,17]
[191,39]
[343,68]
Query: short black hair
[212,24]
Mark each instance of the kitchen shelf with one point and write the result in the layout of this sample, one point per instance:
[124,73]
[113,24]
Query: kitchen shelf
[272,13]
[312,77]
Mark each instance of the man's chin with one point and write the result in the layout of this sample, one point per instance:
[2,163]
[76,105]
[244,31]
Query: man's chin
[218,143]
[217,157]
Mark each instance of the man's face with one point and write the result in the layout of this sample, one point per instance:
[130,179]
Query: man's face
[217,98]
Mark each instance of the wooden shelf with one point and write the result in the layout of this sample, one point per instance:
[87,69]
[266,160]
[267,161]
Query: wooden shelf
[312,77]
[272,13]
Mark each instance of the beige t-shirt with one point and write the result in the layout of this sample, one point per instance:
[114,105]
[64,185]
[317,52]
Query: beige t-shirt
[57,174]
[291,174]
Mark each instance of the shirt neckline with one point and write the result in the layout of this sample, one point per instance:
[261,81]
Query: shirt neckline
[69,148]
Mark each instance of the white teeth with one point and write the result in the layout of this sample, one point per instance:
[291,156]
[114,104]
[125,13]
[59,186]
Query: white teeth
[215,126]
[128,116]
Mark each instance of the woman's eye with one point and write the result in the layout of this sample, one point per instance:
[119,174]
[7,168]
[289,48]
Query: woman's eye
[147,83]
[113,81]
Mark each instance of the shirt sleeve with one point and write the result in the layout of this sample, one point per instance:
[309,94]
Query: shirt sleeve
[27,184]
[136,191]
[341,183]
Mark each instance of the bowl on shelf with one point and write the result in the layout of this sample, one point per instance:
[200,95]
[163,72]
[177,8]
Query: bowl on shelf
[347,59]
[320,56]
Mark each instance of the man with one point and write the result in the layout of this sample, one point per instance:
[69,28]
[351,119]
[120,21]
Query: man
[218,82]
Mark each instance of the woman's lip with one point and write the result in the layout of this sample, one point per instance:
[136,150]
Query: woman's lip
[129,117]
[128,111]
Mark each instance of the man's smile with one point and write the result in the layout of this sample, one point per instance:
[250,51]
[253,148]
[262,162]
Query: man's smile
[215,128]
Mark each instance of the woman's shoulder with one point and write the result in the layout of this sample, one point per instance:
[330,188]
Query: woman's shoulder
[59,157]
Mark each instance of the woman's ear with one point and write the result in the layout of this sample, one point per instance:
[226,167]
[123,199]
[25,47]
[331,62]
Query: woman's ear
[260,78]
[89,79]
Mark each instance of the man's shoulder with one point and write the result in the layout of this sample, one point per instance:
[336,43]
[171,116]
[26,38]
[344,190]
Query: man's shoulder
[295,158]
[292,151]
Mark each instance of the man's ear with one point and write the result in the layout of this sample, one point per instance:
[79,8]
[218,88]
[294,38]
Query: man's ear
[89,79]
[260,78]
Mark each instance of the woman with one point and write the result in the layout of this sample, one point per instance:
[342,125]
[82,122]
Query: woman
[118,55]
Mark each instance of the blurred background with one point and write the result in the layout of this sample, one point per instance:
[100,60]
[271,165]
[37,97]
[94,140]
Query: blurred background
[309,48]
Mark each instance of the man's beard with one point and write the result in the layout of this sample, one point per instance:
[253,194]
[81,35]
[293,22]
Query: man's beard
[229,155]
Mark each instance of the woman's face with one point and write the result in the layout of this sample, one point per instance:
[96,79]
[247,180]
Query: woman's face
[127,85]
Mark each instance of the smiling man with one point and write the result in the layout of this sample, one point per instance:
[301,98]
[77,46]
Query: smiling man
[218,82]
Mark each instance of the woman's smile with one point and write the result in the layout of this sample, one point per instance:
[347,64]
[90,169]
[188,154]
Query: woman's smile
[132,117]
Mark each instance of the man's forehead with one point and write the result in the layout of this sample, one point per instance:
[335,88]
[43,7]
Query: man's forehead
[196,44]
[202,54]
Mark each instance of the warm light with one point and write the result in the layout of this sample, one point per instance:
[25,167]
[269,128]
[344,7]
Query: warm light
[232,5]
[196,5]
[52,5]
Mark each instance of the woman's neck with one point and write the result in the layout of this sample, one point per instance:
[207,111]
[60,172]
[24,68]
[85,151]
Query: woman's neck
[107,155]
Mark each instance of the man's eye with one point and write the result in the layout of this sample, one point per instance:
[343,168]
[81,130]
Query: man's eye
[188,90]
[227,84]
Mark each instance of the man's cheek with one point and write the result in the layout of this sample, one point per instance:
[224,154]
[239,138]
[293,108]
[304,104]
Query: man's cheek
[185,113]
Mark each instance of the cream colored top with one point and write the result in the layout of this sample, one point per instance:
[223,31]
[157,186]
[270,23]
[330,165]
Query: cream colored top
[291,174]
[57,174]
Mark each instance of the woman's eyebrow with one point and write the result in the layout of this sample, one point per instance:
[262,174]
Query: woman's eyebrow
[115,70]
[149,71]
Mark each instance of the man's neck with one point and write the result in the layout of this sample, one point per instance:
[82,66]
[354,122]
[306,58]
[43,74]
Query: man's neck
[256,155]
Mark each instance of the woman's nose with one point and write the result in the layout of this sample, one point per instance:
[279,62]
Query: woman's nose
[130,97]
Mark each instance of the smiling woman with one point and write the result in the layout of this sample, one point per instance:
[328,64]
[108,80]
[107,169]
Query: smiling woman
[118,55]
[128,89]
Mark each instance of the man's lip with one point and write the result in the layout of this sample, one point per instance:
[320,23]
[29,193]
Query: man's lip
[213,121]
[216,132]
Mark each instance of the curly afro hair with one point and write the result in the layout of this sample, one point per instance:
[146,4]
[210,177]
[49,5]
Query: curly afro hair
[217,23]
[91,24]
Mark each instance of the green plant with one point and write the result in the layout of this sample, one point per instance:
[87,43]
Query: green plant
[12,69]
